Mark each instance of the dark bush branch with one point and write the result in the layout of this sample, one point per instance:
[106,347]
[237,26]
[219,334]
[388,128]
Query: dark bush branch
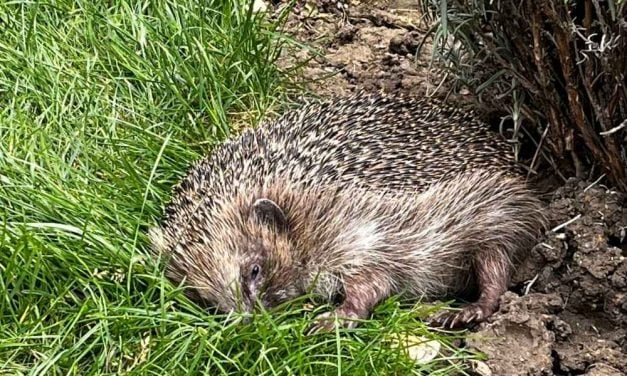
[567,58]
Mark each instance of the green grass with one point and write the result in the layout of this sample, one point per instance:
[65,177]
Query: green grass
[103,105]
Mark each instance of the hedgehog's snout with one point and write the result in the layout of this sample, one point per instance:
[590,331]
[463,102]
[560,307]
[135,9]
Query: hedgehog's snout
[248,288]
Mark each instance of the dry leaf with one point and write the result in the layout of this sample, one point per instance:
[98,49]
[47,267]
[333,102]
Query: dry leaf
[420,349]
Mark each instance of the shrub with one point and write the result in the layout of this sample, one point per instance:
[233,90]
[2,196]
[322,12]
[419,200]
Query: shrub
[558,67]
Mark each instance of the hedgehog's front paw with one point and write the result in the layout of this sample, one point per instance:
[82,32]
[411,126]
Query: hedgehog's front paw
[326,322]
[470,314]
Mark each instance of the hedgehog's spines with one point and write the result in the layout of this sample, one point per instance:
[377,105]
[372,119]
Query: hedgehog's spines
[369,146]
[332,139]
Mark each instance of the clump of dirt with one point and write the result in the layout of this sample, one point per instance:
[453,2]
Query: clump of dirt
[585,258]
[576,312]
[522,328]
[535,335]
[567,311]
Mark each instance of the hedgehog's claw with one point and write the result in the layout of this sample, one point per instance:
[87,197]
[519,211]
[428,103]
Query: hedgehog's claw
[467,316]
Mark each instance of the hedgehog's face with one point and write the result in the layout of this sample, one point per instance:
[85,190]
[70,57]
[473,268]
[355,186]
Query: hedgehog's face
[260,271]
[236,260]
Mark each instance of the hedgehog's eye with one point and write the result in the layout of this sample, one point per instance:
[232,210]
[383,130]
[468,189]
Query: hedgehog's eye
[254,273]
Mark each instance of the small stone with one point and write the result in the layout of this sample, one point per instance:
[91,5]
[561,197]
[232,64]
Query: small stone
[480,368]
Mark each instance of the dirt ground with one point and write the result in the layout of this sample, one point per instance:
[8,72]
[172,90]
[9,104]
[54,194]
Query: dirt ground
[566,313]
[362,46]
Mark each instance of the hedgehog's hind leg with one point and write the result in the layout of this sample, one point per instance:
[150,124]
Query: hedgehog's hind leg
[492,271]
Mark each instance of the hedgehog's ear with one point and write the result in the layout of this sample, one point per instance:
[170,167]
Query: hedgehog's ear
[270,213]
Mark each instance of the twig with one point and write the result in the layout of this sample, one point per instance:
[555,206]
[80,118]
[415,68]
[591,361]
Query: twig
[615,129]
[594,183]
[437,87]
[528,287]
[538,148]
[566,223]
[385,20]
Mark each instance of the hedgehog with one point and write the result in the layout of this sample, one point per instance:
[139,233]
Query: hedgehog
[352,200]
